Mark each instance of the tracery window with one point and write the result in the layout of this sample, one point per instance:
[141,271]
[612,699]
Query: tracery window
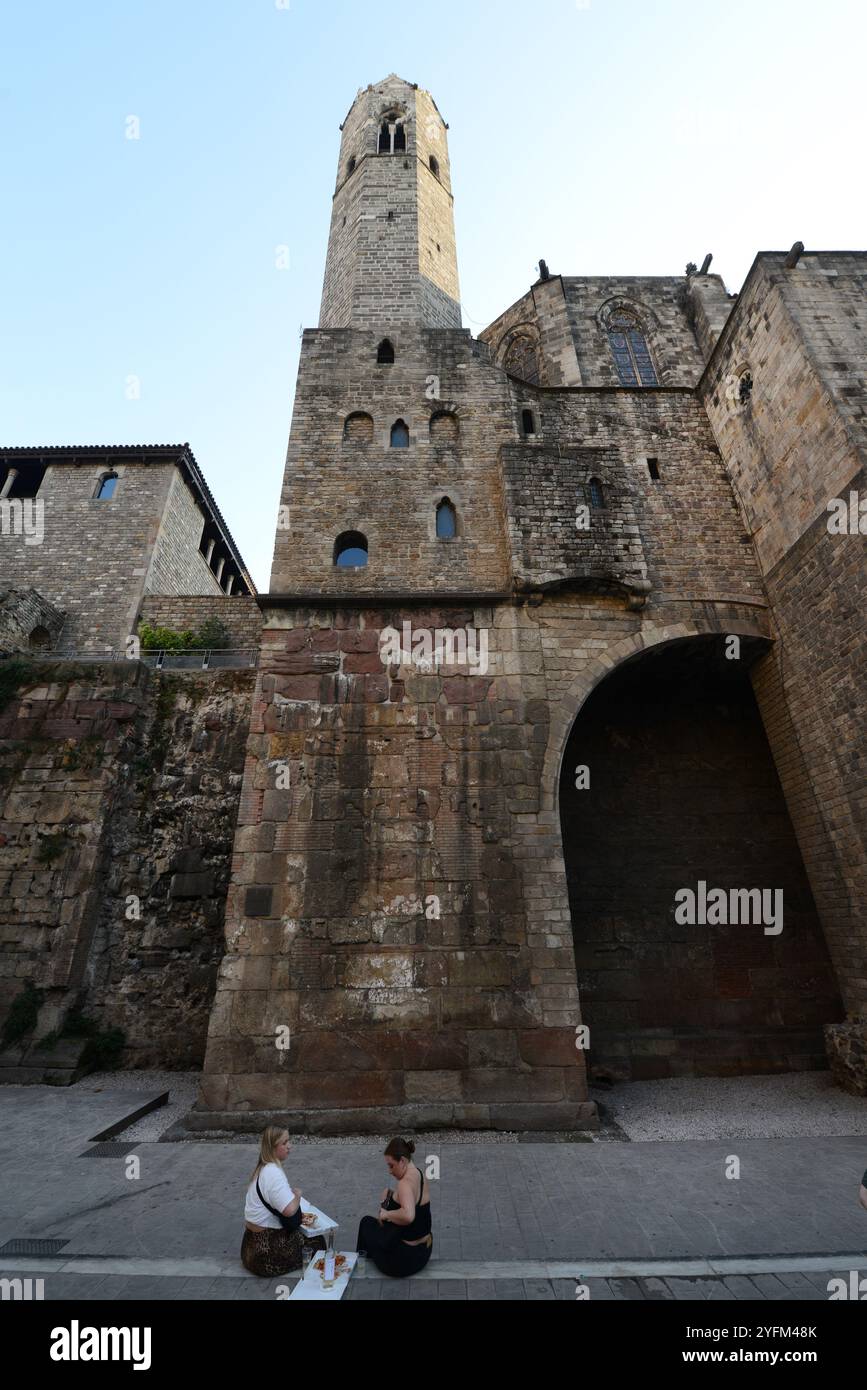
[629,347]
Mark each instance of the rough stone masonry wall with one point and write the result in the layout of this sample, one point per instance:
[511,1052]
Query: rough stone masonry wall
[116,782]
[409,794]
[404,786]
[335,484]
[563,314]
[793,447]
[177,564]
[391,248]
[239,614]
[94,555]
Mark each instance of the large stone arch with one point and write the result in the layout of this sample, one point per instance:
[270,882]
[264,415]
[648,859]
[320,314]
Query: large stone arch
[651,635]
[684,789]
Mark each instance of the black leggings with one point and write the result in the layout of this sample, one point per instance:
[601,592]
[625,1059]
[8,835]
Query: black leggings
[388,1252]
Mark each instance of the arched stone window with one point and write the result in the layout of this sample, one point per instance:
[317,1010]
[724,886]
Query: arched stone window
[400,435]
[106,486]
[521,358]
[385,353]
[629,348]
[39,639]
[597,494]
[351,550]
[351,166]
[444,428]
[392,134]
[528,422]
[435,165]
[358,428]
[447,521]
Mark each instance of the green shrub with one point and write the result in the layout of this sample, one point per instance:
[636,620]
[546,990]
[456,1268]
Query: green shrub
[211,636]
[164,639]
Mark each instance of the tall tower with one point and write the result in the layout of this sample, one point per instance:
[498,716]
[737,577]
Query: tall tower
[384,916]
[396,406]
[391,250]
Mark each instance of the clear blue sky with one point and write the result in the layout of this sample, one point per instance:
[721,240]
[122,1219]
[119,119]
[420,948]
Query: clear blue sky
[627,136]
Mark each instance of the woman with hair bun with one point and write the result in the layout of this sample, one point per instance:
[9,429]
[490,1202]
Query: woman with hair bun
[399,1240]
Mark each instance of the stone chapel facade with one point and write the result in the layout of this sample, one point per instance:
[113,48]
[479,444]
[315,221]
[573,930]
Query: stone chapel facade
[558,627]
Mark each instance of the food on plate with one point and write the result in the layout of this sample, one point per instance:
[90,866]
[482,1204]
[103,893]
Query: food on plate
[340,1263]
[309,1218]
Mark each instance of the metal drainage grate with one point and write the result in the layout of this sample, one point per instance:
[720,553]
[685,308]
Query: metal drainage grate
[32,1247]
[109,1148]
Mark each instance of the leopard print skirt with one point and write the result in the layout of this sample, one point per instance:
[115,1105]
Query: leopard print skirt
[272,1253]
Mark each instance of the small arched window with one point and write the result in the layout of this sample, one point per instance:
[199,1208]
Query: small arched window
[351,166]
[435,165]
[629,348]
[107,485]
[385,353]
[528,422]
[400,138]
[444,427]
[745,387]
[351,551]
[400,435]
[447,521]
[597,494]
[39,639]
[358,428]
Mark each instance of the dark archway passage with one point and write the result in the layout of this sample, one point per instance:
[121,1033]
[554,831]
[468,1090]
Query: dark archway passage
[683,789]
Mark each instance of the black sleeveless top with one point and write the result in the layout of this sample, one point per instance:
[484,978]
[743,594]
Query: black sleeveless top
[420,1226]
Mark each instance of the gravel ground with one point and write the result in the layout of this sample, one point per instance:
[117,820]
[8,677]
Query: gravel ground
[750,1107]
[800,1104]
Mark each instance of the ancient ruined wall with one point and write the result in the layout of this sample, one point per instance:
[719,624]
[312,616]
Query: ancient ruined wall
[369,794]
[378,909]
[117,785]
[795,443]
[27,620]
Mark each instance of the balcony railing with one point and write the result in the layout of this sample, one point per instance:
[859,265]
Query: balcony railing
[185,659]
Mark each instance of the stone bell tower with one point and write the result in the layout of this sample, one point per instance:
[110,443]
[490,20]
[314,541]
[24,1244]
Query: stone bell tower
[391,249]
[391,958]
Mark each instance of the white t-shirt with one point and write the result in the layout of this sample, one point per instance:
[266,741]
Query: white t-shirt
[274,1186]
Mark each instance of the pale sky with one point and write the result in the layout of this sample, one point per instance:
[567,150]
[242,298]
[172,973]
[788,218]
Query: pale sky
[615,137]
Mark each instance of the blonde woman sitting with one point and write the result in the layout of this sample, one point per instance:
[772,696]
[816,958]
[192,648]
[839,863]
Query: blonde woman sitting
[274,1237]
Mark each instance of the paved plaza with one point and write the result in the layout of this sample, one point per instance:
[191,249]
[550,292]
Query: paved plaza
[133,1219]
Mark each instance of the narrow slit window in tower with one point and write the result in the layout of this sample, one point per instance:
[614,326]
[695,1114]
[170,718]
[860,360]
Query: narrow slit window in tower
[400,435]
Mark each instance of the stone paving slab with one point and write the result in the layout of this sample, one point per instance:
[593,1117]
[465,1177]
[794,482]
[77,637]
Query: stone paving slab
[584,1205]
